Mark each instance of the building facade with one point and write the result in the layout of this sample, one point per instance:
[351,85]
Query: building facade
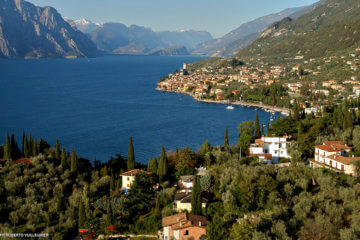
[334,155]
[129,177]
[276,146]
[183,226]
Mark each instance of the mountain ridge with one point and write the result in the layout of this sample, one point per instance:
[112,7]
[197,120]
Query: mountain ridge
[44,33]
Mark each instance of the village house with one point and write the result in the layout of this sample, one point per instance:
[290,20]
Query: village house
[186,182]
[183,226]
[276,146]
[183,200]
[334,155]
[129,177]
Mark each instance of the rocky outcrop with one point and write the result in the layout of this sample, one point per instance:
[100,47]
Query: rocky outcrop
[27,31]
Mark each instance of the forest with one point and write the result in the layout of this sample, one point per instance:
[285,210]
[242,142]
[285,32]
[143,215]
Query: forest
[57,192]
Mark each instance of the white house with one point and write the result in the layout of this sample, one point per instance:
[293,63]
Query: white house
[334,155]
[276,146]
[129,177]
[183,201]
[186,182]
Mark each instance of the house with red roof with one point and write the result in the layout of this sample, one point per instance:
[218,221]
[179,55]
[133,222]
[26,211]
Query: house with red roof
[129,177]
[184,226]
[334,155]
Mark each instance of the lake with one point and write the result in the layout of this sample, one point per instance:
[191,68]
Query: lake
[94,105]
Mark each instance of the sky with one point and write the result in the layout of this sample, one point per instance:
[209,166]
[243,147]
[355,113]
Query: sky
[215,16]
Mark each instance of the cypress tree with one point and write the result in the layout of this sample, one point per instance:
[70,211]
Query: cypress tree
[196,206]
[112,183]
[85,201]
[157,211]
[152,165]
[108,219]
[7,150]
[31,145]
[35,151]
[74,158]
[82,216]
[262,130]
[131,156]
[57,150]
[23,143]
[162,169]
[268,129]
[257,127]
[14,148]
[26,150]
[296,110]
[105,171]
[63,157]
[226,139]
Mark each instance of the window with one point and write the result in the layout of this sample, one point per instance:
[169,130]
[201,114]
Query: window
[186,232]
[128,178]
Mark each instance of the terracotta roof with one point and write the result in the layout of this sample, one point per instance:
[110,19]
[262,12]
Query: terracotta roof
[187,178]
[185,197]
[184,220]
[343,160]
[332,148]
[265,155]
[23,160]
[333,142]
[134,172]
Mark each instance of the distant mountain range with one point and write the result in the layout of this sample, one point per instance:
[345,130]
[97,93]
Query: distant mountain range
[117,38]
[332,27]
[27,31]
[239,38]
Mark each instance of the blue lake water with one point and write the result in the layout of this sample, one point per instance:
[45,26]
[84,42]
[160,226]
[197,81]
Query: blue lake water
[94,105]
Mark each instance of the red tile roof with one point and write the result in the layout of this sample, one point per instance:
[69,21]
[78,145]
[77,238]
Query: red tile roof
[134,172]
[23,160]
[343,160]
[184,220]
[266,155]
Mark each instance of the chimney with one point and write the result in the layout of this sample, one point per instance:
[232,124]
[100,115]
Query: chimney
[199,223]
[177,219]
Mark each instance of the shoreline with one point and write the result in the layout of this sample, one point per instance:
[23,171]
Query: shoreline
[264,107]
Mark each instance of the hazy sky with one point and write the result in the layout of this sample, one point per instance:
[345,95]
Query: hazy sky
[216,16]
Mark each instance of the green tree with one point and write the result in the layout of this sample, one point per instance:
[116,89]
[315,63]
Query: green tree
[74,160]
[205,148]
[196,206]
[246,132]
[152,165]
[82,216]
[162,169]
[108,219]
[226,139]
[63,157]
[34,148]
[7,150]
[131,156]
[185,165]
[57,150]
[257,127]
[26,150]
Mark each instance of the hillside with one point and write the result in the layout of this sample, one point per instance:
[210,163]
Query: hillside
[239,38]
[34,32]
[330,28]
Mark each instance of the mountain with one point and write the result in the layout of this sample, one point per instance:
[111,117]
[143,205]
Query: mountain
[187,38]
[239,38]
[172,51]
[117,38]
[86,26]
[331,27]
[33,32]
